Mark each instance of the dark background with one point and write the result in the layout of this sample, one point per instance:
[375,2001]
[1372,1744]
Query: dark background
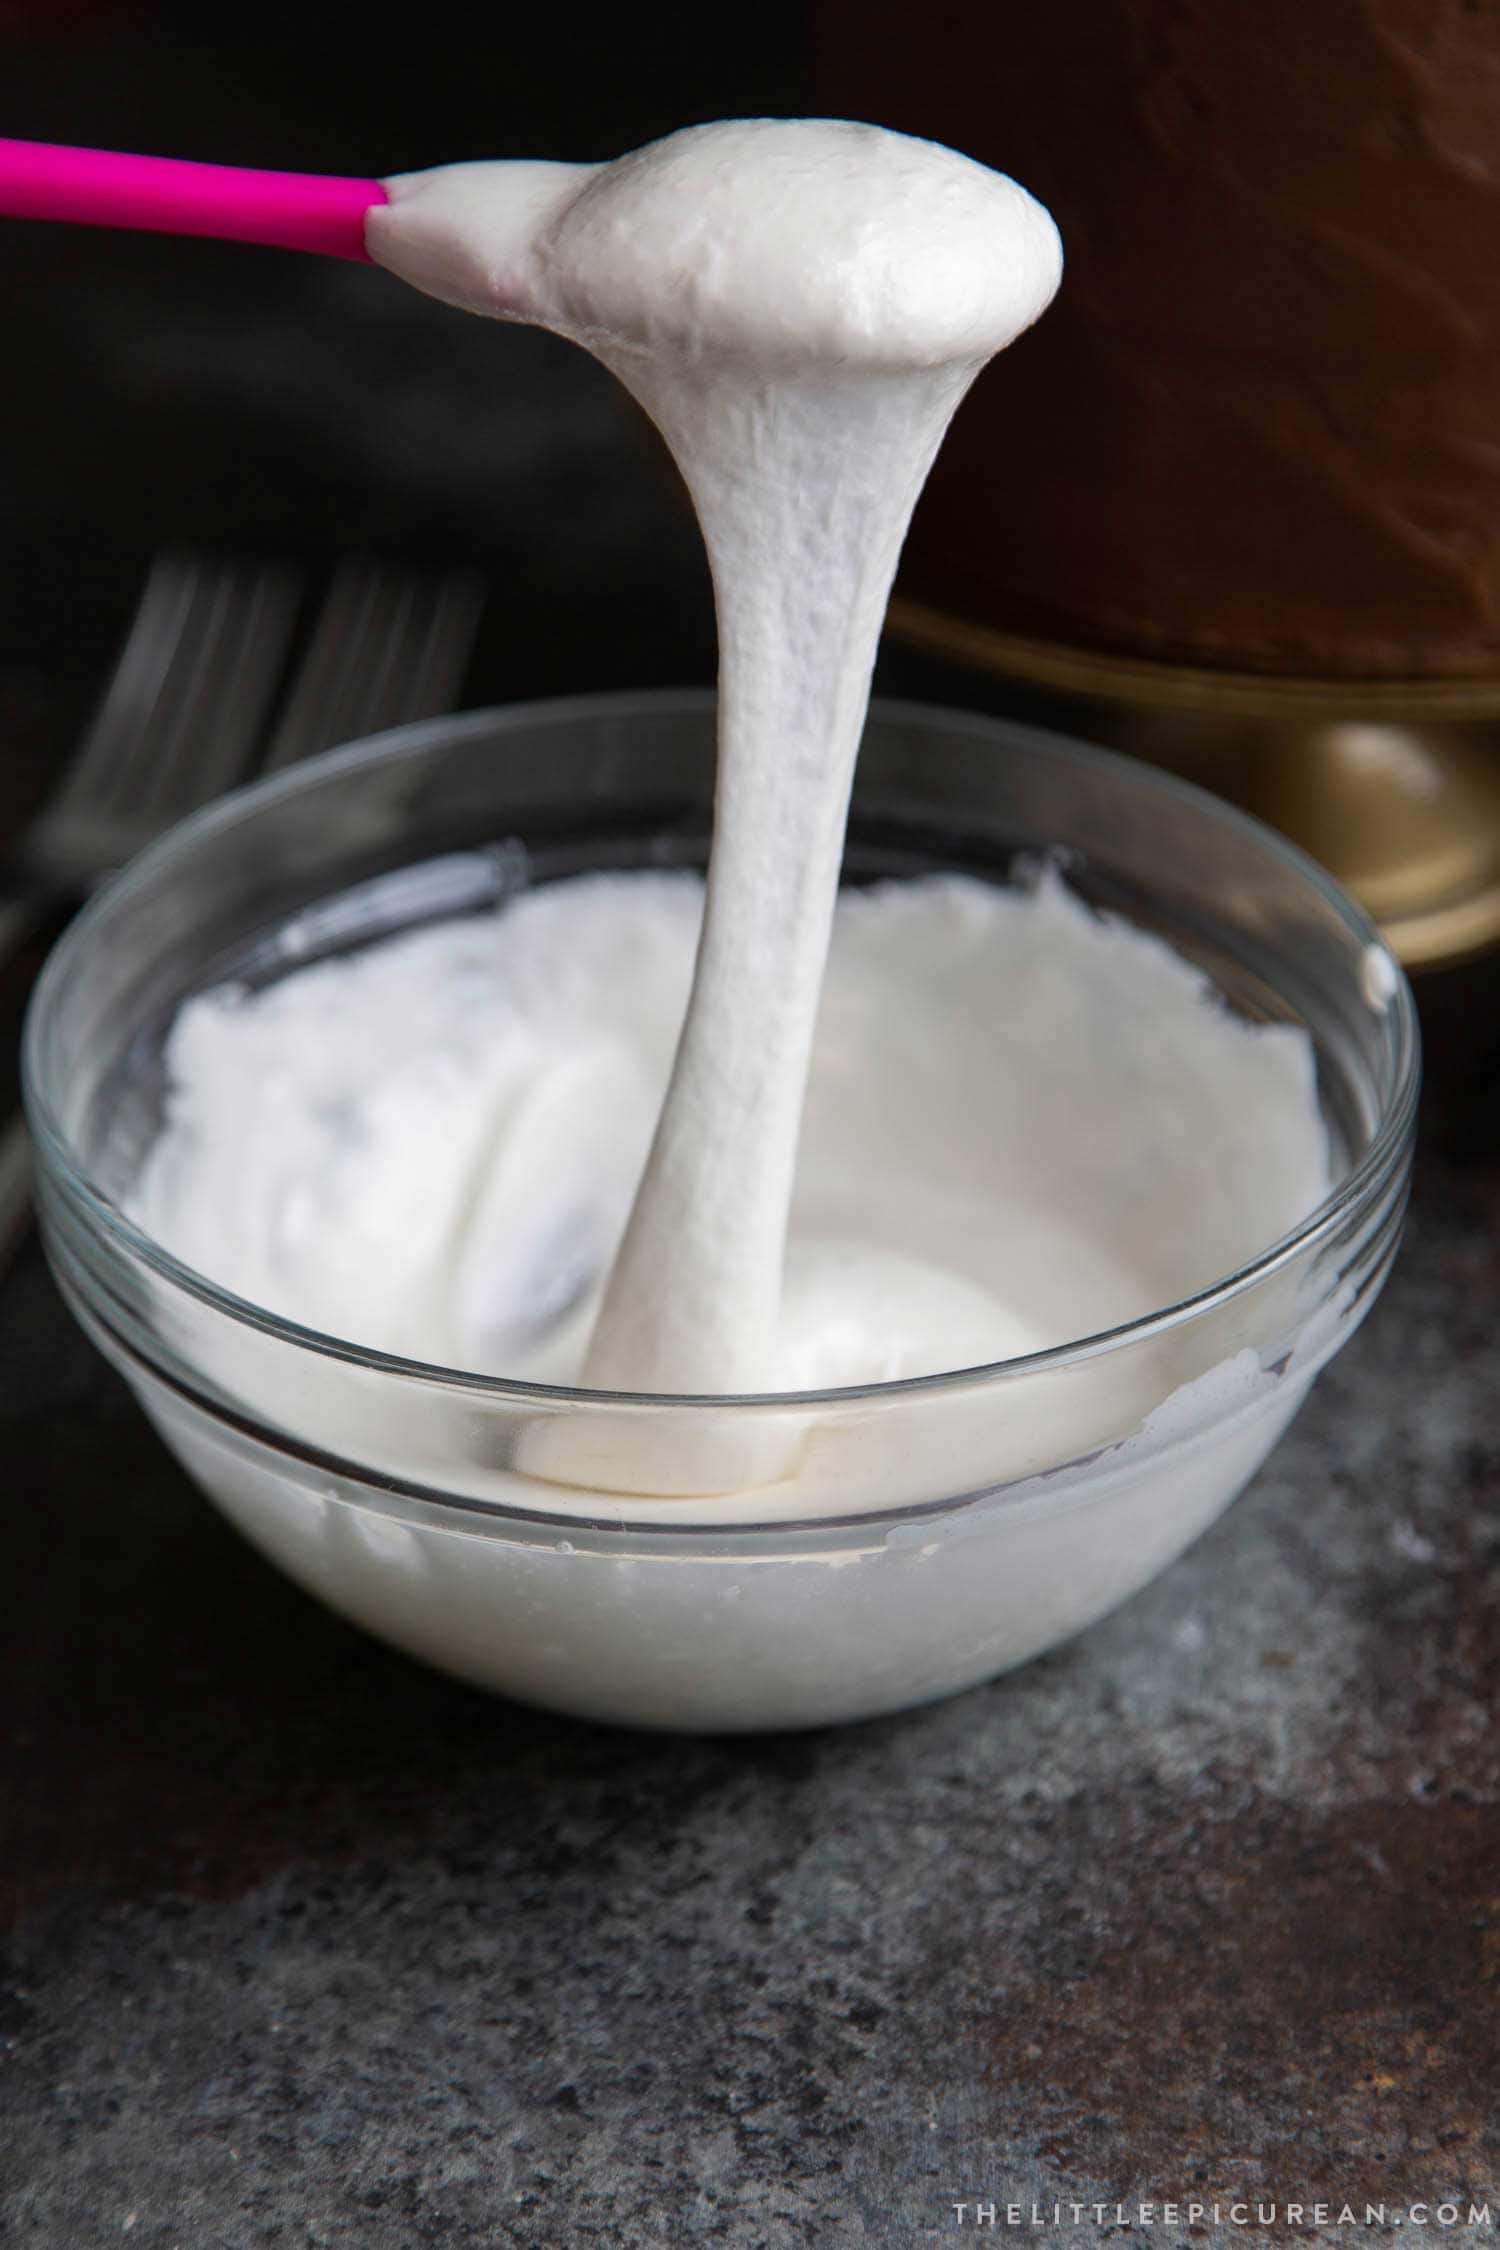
[159,391]
[300,1945]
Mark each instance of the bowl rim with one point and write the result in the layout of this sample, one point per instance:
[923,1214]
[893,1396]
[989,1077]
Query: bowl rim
[55,1155]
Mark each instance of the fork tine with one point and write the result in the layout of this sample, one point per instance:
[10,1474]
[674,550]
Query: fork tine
[442,638]
[340,640]
[194,662]
[371,687]
[120,730]
[426,631]
[387,648]
[216,699]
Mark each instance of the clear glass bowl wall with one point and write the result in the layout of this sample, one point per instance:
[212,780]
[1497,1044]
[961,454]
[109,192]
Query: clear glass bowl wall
[808,1559]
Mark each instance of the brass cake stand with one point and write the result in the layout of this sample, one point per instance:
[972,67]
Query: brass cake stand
[1394,785]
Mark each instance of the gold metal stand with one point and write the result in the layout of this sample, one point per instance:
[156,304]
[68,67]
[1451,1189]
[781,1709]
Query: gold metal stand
[1394,785]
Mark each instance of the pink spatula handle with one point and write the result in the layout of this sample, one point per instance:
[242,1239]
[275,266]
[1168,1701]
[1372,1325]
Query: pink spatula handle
[94,187]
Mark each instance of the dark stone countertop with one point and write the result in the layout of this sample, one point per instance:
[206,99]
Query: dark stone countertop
[306,1946]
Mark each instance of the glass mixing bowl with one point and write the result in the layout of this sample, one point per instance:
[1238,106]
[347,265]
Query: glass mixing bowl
[886,1545]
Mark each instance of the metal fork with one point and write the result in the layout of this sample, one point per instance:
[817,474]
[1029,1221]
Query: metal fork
[188,713]
[197,675]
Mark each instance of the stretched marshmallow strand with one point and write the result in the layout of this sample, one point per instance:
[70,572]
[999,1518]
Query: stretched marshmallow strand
[800,306]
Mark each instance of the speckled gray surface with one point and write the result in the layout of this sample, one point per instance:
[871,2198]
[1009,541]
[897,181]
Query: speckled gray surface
[312,1948]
